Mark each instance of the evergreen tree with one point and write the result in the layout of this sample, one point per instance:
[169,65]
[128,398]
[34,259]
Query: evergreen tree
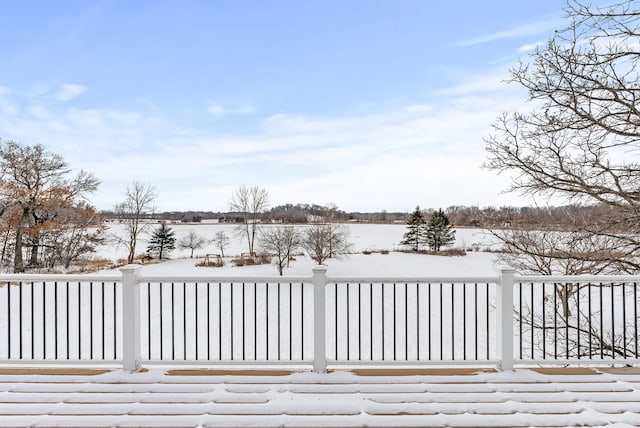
[162,241]
[417,233]
[440,232]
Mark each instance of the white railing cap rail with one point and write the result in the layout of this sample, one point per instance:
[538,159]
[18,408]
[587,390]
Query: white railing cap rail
[222,279]
[414,279]
[52,277]
[577,278]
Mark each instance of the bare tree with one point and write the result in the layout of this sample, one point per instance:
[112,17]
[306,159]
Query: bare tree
[221,241]
[576,145]
[192,241]
[579,144]
[35,187]
[250,203]
[324,241]
[134,212]
[281,243]
[78,231]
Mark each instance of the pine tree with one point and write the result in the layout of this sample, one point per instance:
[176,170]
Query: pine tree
[440,232]
[417,233]
[162,241]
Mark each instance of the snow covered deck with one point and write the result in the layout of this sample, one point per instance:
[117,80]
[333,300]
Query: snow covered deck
[375,398]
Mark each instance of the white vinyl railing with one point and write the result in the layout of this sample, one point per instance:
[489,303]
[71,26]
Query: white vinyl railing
[134,319]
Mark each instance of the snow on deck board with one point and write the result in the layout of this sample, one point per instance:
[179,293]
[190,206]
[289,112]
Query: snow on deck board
[155,398]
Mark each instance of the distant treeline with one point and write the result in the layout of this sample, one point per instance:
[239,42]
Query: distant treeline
[561,217]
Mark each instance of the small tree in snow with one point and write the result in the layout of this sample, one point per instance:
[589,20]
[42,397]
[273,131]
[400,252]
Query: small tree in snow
[281,243]
[322,241]
[191,241]
[440,232]
[221,241]
[416,234]
[162,241]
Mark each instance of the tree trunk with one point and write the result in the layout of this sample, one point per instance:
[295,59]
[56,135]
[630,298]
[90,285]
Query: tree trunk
[4,245]
[18,264]
[35,247]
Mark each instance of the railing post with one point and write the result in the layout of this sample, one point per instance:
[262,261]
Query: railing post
[504,318]
[319,281]
[130,318]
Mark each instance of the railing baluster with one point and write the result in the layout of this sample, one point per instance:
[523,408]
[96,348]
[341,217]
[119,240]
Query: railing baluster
[149,319]
[475,321]
[520,336]
[601,324]
[348,324]
[406,322]
[243,325]
[613,324]
[173,323]
[453,325]
[382,335]
[441,323]
[371,320]
[196,319]
[336,317]
[184,321]
[220,321]
[290,322]
[590,326]
[544,317]
[635,316]
[359,321]
[9,329]
[487,318]
[302,321]
[231,287]
[20,319]
[533,304]
[566,319]
[578,326]
[417,321]
[44,323]
[67,316]
[624,321]
[160,293]
[115,330]
[429,319]
[278,304]
[79,319]
[208,321]
[33,330]
[394,321]
[464,321]
[266,320]
[555,321]
[255,320]
[55,320]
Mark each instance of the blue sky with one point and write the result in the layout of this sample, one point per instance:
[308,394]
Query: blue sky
[370,105]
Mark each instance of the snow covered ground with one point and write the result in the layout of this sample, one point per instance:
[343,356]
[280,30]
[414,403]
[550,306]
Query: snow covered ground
[157,398]
[373,237]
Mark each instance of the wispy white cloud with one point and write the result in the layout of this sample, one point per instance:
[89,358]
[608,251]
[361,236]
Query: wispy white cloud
[358,161]
[218,109]
[69,91]
[6,106]
[530,47]
[525,30]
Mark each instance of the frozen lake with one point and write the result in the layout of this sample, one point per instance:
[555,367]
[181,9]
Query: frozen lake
[363,237]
